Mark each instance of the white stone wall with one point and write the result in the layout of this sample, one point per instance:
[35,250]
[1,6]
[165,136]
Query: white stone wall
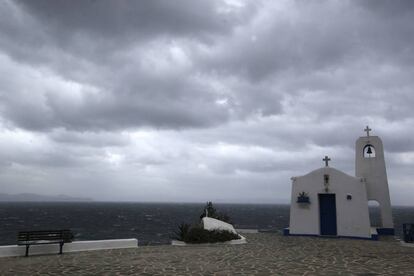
[352,215]
[15,250]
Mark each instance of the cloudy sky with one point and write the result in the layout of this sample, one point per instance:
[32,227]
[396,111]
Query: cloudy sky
[200,100]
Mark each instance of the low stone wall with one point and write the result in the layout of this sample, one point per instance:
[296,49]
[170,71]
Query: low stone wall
[15,250]
[247,231]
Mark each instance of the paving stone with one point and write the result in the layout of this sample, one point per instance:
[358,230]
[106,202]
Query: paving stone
[264,254]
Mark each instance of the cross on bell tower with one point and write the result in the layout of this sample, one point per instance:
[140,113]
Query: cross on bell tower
[367,130]
[326,159]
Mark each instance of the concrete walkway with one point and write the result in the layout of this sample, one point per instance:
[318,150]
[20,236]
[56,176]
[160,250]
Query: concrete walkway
[265,254]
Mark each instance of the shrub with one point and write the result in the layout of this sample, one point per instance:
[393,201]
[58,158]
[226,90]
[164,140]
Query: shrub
[197,234]
[182,232]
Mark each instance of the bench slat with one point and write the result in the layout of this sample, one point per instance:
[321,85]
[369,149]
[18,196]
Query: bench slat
[65,235]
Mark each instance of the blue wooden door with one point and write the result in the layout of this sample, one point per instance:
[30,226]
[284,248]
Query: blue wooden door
[327,211]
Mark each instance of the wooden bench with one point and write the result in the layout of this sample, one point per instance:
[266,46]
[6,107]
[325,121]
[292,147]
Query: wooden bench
[29,238]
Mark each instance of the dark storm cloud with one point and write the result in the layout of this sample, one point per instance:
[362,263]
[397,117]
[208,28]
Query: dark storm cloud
[162,103]
[200,98]
[105,45]
[278,46]
[318,36]
[136,20]
[389,8]
[91,139]
[95,30]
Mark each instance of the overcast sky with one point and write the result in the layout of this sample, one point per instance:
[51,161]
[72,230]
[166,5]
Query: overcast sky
[201,100]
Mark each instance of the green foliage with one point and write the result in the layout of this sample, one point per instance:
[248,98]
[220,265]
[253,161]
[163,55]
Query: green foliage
[182,232]
[303,198]
[212,213]
[197,234]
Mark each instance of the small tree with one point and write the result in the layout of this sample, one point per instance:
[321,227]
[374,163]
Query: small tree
[182,232]
[209,210]
[212,213]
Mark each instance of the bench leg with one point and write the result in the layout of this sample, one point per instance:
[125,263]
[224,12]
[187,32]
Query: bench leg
[27,250]
[61,245]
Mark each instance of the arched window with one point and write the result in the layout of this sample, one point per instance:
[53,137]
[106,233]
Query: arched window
[369,151]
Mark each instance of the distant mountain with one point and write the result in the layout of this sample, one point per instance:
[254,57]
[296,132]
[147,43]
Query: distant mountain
[36,197]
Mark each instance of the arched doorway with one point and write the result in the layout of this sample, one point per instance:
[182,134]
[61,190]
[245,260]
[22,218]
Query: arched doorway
[374,213]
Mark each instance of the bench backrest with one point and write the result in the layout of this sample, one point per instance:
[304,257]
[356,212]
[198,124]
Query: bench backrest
[50,235]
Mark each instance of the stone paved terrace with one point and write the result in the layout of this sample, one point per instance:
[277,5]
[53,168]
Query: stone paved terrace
[265,254]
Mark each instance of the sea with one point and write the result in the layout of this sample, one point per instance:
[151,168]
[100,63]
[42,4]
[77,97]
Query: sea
[150,223]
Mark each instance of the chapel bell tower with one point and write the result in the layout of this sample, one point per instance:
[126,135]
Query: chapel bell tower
[370,164]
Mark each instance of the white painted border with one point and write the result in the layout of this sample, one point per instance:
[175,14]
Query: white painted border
[76,246]
[247,231]
[242,240]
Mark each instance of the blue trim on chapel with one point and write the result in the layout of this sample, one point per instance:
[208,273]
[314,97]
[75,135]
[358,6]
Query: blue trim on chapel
[374,237]
[386,231]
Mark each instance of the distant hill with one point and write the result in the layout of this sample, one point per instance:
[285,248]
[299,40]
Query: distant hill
[36,197]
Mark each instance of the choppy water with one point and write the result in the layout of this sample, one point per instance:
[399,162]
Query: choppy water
[150,223]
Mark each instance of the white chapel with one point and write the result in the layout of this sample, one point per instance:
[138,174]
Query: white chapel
[328,202]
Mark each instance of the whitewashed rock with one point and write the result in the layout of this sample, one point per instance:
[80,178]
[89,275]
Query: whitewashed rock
[215,224]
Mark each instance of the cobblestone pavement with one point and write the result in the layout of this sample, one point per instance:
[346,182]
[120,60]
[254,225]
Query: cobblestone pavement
[265,254]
